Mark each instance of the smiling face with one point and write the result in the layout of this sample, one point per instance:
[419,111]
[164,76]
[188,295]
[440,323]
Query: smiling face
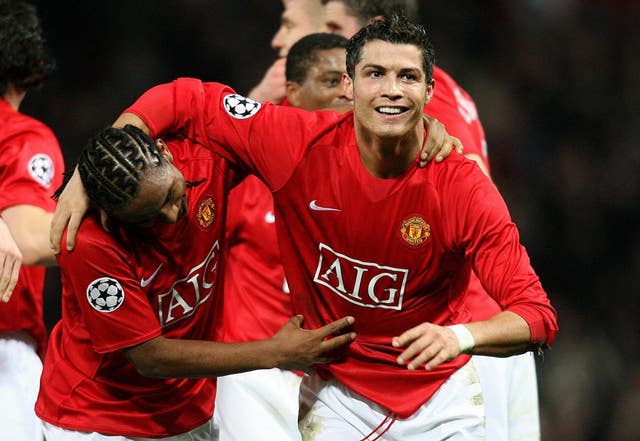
[322,87]
[389,90]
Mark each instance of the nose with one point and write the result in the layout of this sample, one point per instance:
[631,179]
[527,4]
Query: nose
[277,42]
[171,212]
[391,87]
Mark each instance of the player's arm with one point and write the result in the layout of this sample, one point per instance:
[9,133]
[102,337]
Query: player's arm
[10,261]
[479,221]
[430,345]
[29,226]
[291,348]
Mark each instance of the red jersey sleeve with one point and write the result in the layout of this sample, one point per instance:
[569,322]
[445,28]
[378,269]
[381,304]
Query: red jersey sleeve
[31,168]
[101,279]
[479,223]
[266,139]
[455,108]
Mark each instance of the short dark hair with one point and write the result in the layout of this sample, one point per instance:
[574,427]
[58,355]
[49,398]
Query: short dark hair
[304,53]
[113,163]
[24,60]
[396,29]
[367,10]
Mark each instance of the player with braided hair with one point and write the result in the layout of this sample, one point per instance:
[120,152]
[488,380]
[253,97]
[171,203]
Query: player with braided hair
[134,354]
[124,167]
[31,166]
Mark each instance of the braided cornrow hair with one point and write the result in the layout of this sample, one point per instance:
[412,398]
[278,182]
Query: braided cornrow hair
[112,164]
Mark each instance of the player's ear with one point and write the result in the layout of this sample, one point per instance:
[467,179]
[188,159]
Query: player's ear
[105,221]
[347,86]
[431,87]
[293,93]
[164,150]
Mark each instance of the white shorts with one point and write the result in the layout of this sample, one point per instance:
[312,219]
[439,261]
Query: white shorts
[511,397]
[20,370]
[206,432]
[455,413]
[258,406]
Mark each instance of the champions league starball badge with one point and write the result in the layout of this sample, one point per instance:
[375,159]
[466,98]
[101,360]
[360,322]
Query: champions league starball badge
[240,107]
[41,169]
[105,294]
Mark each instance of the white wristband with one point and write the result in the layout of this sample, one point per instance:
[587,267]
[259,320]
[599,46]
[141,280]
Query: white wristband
[464,336]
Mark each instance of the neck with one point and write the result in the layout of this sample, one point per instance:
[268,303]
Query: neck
[389,157]
[14,96]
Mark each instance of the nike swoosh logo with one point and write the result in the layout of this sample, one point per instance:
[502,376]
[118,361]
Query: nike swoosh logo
[144,282]
[314,206]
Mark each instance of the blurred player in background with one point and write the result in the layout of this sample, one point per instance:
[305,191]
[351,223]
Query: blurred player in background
[31,167]
[256,296]
[133,355]
[299,18]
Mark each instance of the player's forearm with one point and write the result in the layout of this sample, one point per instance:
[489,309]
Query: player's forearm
[29,226]
[503,335]
[177,107]
[165,357]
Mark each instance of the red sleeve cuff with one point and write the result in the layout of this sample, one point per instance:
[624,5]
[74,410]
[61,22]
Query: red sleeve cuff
[543,329]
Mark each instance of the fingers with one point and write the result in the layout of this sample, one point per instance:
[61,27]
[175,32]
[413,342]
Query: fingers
[433,144]
[72,206]
[297,320]
[427,345]
[334,327]
[13,281]
[9,276]
[5,274]
[408,336]
[72,230]
[337,342]
[449,144]
[457,144]
[58,224]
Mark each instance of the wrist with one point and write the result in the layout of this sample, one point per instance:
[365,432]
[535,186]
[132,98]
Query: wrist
[464,337]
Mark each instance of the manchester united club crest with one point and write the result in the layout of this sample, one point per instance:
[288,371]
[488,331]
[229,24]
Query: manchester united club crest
[206,212]
[415,231]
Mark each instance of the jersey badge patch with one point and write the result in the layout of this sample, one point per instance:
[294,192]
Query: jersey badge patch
[415,230]
[240,107]
[41,169]
[105,294]
[206,212]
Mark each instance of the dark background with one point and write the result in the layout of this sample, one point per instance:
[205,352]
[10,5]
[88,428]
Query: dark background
[556,86]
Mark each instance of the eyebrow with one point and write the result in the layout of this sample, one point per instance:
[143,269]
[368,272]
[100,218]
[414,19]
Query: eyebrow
[384,69]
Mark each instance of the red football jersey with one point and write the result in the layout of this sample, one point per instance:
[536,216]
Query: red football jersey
[124,289]
[31,169]
[256,299]
[256,295]
[392,252]
[455,108]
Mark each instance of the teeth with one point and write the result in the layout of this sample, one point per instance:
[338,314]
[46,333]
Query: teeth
[389,110]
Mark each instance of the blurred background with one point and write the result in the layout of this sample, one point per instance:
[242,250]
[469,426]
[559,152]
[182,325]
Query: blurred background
[556,88]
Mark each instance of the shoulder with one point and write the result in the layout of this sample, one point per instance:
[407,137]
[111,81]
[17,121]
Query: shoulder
[92,242]
[24,132]
[456,169]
